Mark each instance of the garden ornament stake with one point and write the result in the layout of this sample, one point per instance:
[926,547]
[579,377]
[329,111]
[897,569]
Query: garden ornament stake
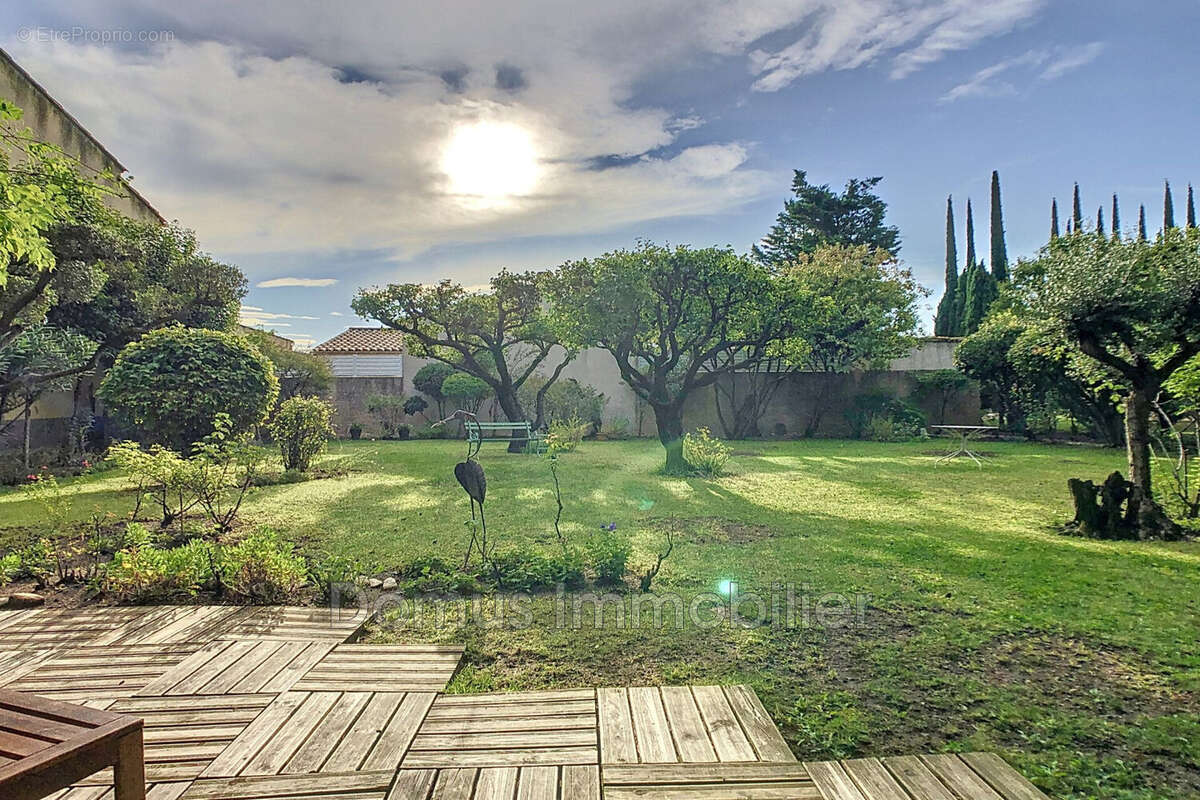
[470,476]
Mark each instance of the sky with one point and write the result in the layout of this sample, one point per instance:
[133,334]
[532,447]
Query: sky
[323,147]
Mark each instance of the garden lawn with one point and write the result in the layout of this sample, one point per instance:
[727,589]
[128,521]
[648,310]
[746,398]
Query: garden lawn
[1078,660]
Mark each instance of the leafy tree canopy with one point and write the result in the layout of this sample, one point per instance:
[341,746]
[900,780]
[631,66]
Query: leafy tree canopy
[300,374]
[500,336]
[40,188]
[465,391]
[818,215]
[865,308]
[1134,308]
[666,313]
[173,381]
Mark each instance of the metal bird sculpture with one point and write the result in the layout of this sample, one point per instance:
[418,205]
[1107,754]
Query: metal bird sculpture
[470,476]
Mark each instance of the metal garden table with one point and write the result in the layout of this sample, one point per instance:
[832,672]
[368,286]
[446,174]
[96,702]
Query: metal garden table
[964,433]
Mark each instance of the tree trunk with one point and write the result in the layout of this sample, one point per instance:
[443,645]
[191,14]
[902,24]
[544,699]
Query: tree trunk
[669,419]
[28,410]
[1137,437]
[818,409]
[511,406]
[1098,508]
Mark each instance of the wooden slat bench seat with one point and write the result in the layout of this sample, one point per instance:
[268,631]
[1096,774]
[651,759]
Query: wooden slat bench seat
[47,745]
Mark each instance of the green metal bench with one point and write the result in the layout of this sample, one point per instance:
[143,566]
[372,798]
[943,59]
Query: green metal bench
[482,432]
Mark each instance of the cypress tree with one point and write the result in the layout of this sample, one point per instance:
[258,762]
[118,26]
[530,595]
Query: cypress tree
[946,322]
[1077,212]
[970,237]
[1053,218]
[1116,219]
[1141,223]
[981,291]
[999,251]
[1168,207]
[960,302]
[1191,209]
[1100,221]
[981,286]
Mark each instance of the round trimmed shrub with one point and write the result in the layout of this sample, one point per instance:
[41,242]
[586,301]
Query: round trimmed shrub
[301,428]
[173,382]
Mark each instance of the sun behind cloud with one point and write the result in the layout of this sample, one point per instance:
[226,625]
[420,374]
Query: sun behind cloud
[490,163]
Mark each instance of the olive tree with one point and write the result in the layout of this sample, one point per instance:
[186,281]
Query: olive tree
[1134,308]
[500,336]
[666,314]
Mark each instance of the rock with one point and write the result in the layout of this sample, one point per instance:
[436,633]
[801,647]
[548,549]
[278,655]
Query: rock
[374,583]
[25,600]
[390,583]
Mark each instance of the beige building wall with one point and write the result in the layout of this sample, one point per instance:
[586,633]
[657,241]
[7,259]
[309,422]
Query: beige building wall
[51,123]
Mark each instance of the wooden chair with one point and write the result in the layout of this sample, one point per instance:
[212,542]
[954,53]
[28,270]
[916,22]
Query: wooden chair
[47,745]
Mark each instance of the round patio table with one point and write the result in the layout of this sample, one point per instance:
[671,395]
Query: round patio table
[964,433]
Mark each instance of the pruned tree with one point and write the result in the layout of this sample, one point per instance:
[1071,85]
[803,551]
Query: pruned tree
[500,336]
[1134,308]
[665,314]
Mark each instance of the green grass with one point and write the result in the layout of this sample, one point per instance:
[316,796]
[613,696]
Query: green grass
[1078,660]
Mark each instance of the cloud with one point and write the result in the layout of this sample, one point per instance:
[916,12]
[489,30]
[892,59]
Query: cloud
[848,35]
[276,283]
[276,127]
[962,24]
[336,314]
[1072,59]
[1052,64]
[986,83]
[255,317]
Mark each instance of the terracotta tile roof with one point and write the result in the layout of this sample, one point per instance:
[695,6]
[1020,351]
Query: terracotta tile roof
[363,340]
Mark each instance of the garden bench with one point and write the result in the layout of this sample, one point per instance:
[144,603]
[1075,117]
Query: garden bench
[503,432]
[47,745]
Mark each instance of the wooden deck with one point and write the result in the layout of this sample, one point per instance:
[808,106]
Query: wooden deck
[281,704]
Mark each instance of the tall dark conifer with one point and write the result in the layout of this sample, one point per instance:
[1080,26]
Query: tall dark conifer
[1142,223]
[981,286]
[1168,208]
[948,313]
[1053,218]
[1116,218]
[999,251]
[1100,221]
[1076,211]
[1191,208]
[970,236]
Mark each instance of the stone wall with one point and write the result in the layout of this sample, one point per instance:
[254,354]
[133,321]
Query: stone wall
[349,398]
[830,398]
